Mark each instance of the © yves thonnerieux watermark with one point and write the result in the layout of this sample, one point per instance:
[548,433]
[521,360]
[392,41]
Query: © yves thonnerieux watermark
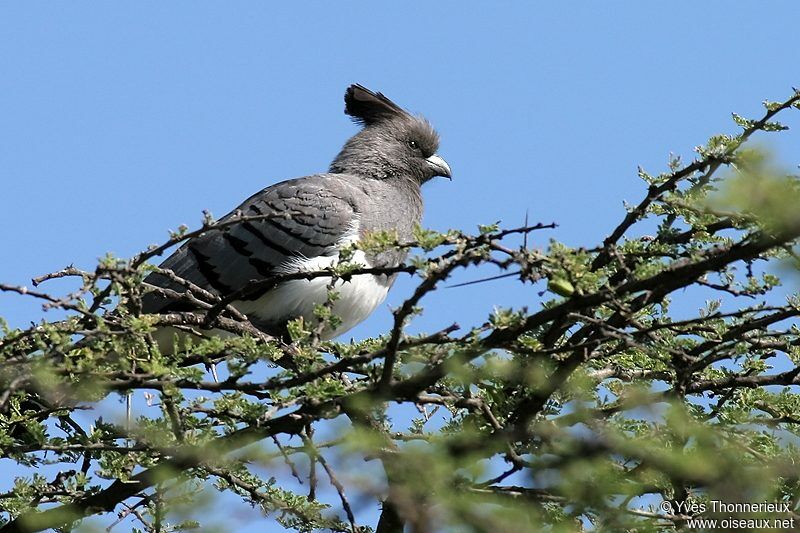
[711,514]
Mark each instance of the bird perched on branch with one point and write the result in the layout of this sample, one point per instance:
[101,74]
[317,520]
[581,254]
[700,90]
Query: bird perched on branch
[300,225]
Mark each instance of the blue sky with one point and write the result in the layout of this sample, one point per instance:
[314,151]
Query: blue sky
[120,121]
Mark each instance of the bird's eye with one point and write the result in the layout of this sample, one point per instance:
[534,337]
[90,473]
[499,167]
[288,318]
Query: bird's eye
[413,145]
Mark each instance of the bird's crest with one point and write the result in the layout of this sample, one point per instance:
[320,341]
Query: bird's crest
[368,107]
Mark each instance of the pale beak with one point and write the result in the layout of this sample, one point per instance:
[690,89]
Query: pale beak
[439,166]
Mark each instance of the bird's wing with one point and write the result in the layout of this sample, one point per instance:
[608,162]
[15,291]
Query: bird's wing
[304,218]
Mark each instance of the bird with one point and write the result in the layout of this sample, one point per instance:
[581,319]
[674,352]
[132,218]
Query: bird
[302,224]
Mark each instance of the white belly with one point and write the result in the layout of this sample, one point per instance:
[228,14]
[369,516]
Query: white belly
[358,297]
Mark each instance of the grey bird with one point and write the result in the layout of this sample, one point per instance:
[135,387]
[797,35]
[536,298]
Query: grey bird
[373,184]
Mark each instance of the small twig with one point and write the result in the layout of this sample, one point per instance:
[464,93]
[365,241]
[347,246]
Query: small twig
[334,481]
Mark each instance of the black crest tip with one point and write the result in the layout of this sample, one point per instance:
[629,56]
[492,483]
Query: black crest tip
[369,107]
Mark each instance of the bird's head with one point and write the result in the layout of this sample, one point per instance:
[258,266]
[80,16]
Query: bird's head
[393,143]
